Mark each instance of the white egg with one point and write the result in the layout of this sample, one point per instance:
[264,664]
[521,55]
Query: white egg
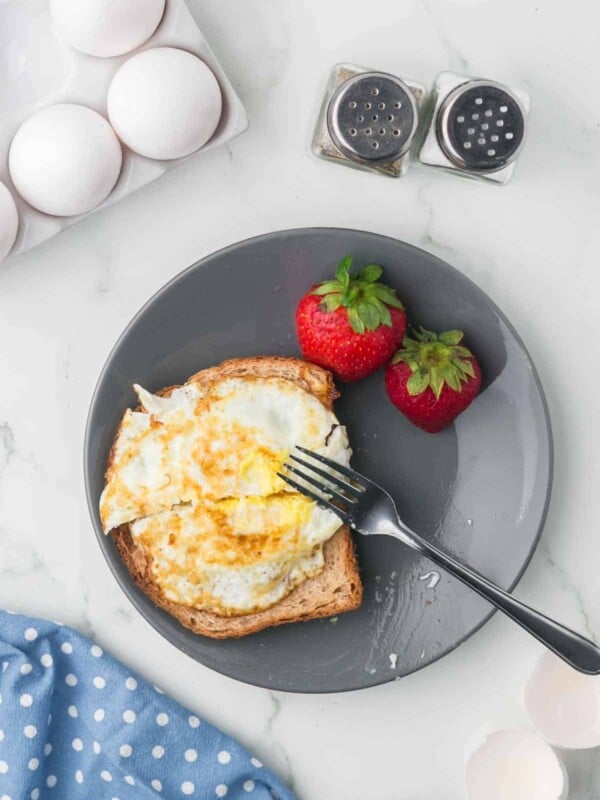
[564,705]
[9,221]
[164,103]
[65,159]
[106,28]
[515,764]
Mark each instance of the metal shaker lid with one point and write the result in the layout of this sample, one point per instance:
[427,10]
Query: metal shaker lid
[481,126]
[372,117]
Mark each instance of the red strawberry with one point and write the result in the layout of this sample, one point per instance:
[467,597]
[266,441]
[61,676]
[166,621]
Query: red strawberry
[352,324]
[433,378]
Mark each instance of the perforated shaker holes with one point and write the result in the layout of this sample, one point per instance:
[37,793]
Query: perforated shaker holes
[372,117]
[368,120]
[477,128]
[480,126]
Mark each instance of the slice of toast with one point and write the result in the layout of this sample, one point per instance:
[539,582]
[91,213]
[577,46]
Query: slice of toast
[336,589]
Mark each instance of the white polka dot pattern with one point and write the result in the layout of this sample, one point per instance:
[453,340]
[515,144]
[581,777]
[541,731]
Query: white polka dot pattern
[65,690]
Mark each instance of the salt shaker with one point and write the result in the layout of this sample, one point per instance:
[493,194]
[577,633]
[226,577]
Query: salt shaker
[477,127]
[368,120]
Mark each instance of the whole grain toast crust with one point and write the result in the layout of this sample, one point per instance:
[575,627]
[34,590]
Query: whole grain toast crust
[336,589]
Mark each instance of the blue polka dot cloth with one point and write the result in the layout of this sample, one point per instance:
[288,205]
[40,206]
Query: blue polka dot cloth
[76,723]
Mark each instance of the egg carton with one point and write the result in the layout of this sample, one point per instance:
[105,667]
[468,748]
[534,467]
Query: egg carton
[38,69]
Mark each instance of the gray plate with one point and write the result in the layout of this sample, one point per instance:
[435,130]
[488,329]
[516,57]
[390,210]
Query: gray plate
[480,489]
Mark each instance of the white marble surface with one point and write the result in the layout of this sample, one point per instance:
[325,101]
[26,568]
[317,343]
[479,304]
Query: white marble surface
[534,246]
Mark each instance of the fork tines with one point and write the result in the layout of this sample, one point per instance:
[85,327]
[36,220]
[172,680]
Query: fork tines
[336,477]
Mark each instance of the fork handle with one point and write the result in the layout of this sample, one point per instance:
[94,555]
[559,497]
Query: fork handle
[579,652]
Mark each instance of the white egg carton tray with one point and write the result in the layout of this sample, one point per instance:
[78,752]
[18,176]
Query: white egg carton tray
[38,69]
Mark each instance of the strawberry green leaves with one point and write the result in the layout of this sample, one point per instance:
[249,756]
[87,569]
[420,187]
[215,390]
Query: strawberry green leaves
[450,337]
[418,382]
[331,302]
[367,301]
[435,360]
[342,272]
[371,273]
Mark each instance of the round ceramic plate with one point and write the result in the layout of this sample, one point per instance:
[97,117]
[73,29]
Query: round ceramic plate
[479,489]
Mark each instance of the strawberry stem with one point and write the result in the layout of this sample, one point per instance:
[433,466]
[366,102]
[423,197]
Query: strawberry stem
[435,360]
[366,300]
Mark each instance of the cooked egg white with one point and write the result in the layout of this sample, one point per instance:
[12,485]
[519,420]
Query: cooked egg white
[195,475]
[237,555]
[228,440]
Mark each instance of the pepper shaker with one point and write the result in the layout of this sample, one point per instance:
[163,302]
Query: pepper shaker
[368,120]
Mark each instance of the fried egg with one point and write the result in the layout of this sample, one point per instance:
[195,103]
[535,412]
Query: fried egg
[195,476]
[236,555]
[227,440]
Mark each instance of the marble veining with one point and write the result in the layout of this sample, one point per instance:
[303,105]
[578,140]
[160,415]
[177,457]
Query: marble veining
[457,59]
[569,584]
[271,733]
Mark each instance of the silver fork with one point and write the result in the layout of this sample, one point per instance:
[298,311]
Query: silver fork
[369,509]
